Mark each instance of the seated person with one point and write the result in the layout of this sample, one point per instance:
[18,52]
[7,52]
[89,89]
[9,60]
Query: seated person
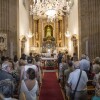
[30,85]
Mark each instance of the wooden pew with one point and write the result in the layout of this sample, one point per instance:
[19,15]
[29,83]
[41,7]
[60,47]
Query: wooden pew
[90,89]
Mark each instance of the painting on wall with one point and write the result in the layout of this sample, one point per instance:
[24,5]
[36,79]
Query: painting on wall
[3,41]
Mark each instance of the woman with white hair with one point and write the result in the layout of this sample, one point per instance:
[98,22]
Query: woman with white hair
[96,65]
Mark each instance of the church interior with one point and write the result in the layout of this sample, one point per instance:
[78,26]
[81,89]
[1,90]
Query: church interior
[50,49]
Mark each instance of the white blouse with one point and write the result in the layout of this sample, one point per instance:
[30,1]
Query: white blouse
[32,94]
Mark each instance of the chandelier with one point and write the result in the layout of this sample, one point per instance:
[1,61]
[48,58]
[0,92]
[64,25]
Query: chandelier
[50,8]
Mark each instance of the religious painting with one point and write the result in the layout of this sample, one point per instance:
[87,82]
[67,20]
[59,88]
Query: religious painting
[48,31]
[3,41]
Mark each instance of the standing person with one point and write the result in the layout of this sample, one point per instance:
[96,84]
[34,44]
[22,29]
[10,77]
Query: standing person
[16,63]
[59,57]
[81,91]
[38,64]
[87,57]
[84,64]
[96,65]
[30,56]
[23,56]
[65,55]
[22,64]
[30,65]
[30,85]
[66,75]
[75,58]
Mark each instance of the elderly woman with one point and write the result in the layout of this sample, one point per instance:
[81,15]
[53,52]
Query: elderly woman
[30,85]
[96,65]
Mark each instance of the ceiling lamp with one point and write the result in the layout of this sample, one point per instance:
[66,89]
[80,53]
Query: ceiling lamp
[50,8]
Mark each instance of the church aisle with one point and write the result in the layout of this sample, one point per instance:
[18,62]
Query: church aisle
[50,89]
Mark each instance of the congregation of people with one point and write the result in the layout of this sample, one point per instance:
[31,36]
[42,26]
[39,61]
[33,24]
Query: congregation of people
[21,78]
[78,77]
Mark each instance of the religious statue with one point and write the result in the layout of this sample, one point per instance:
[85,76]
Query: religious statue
[48,32]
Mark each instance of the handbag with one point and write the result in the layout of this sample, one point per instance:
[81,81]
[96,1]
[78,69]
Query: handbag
[72,94]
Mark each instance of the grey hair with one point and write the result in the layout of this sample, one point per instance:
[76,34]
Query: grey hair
[5,65]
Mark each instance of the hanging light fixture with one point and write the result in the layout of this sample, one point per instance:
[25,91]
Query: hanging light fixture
[50,8]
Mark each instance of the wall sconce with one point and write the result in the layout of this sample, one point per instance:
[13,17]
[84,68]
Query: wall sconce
[67,34]
[30,35]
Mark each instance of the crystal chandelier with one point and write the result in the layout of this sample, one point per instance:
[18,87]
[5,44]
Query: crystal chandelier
[50,8]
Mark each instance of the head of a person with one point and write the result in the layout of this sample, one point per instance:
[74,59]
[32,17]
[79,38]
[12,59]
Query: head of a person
[63,60]
[83,56]
[59,52]
[3,58]
[22,62]
[97,60]
[7,66]
[66,52]
[7,58]
[76,65]
[11,64]
[70,64]
[23,56]
[29,60]
[74,54]
[96,68]
[31,73]
[15,58]
[30,54]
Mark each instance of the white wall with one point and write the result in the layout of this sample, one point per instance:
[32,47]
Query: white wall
[73,23]
[24,22]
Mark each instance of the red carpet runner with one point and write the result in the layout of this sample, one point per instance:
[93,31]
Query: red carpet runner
[50,89]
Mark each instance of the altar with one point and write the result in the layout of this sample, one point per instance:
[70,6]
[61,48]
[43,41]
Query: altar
[49,62]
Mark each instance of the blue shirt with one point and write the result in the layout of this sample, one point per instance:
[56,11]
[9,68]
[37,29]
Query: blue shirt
[84,64]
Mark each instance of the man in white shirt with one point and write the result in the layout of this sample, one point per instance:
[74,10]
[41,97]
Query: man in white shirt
[81,93]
